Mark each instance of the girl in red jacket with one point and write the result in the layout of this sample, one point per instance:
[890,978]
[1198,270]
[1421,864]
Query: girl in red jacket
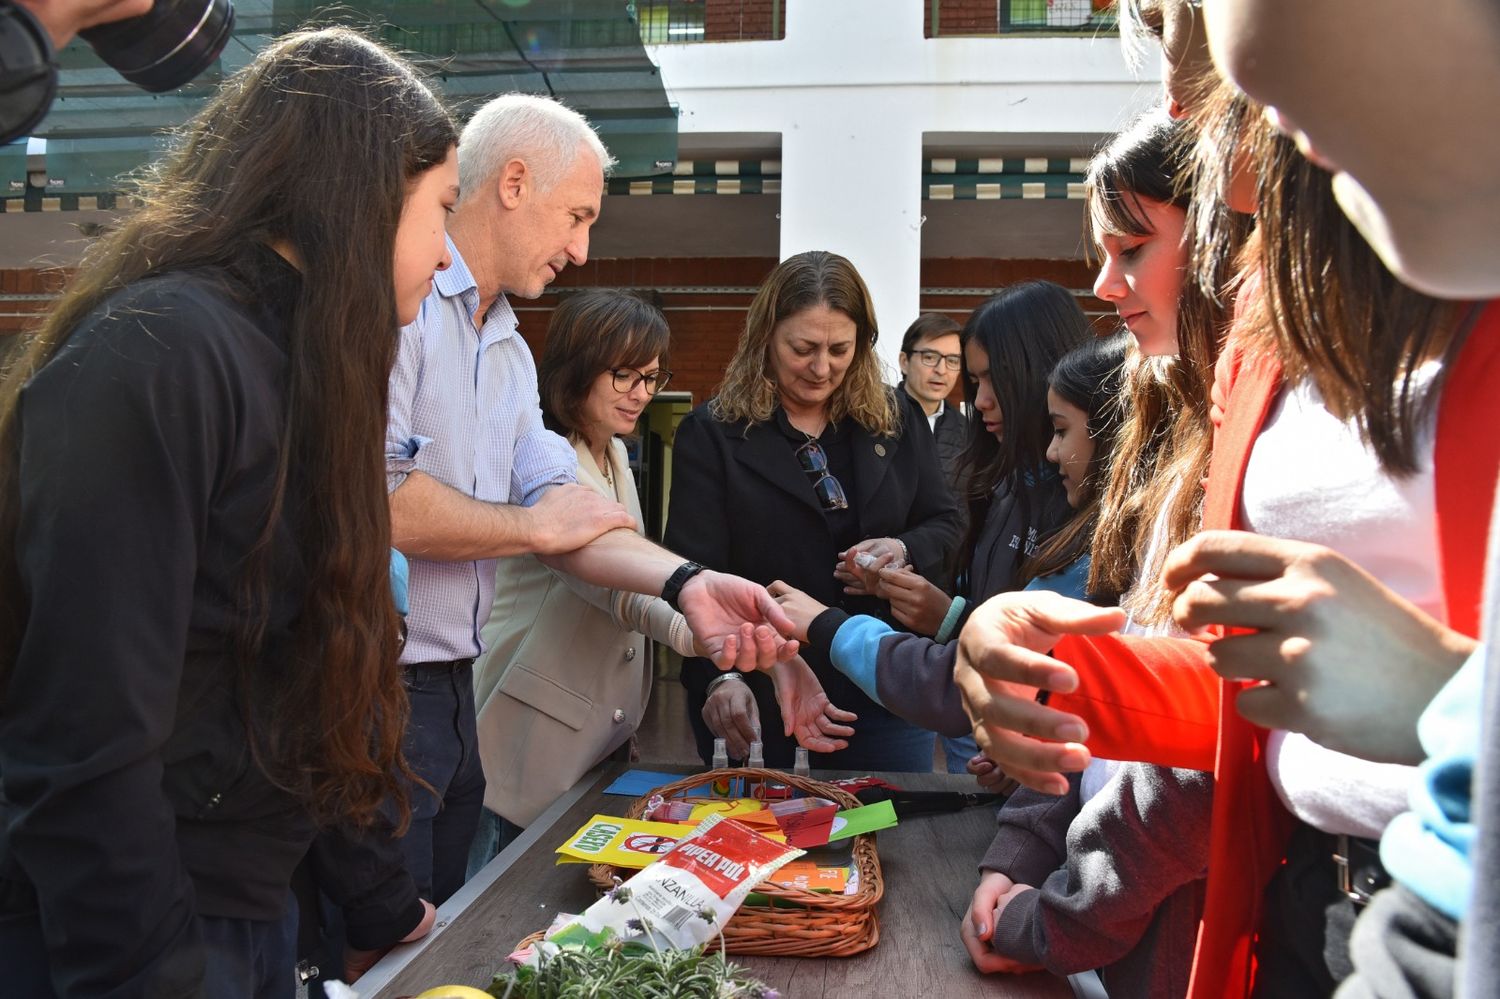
[1365,446]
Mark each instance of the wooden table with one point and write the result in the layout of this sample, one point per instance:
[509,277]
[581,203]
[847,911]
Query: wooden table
[929,866]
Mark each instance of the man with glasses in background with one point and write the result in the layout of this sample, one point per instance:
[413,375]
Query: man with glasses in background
[931,358]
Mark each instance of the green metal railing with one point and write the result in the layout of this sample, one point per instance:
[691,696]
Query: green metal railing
[587,53]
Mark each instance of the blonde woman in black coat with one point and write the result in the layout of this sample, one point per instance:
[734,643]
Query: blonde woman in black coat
[805,461]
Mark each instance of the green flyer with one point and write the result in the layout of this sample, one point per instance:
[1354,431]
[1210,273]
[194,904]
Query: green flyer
[867,818]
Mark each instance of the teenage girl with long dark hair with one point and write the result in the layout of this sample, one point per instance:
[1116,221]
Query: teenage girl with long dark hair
[196,619]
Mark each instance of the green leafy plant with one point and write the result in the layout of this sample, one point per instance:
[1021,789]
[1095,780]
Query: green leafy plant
[576,963]
[615,971]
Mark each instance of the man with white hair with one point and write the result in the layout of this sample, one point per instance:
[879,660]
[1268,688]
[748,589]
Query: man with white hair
[474,476]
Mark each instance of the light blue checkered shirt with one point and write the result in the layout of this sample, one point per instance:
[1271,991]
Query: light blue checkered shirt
[465,410]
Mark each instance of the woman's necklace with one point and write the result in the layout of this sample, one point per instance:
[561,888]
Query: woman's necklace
[802,422]
[609,476]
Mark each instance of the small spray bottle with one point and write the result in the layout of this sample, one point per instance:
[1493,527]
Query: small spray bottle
[720,787]
[757,761]
[800,768]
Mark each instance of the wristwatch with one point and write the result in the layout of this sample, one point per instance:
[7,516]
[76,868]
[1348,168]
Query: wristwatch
[675,582]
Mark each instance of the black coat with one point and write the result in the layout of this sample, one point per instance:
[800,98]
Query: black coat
[131,804]
[950,435]
[741,503]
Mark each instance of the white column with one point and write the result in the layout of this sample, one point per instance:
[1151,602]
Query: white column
[866,206]
[853,87]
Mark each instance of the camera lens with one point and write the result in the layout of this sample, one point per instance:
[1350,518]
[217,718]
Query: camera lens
[168,46]
[28,75]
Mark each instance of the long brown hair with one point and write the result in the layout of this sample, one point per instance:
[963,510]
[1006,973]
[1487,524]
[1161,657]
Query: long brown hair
[1092,378]
[799,282]
[1164,445]
[1334,314]
[311,147]
[590,333]
[1024,330]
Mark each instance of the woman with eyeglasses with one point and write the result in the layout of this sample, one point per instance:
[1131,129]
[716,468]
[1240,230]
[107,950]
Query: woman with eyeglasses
[566,675]
[567,672]
[805,460]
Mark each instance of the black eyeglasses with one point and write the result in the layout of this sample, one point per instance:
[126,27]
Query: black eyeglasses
[814,462]
[626,379]
[930,359]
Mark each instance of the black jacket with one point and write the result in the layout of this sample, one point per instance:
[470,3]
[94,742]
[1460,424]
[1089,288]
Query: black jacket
[741,503]
[148,451]
[1023,512]
[950,435]
[363,872]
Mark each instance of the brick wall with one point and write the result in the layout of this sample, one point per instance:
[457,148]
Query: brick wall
[733,20]
[706,327]
[705,300]
[704,334]
[974,280]
[961,17]
[24,295]
[736,20]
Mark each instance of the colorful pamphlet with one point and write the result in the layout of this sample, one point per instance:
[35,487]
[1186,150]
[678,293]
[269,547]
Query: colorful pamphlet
[811,877]
[867,818]
[730,808]
[684,897]
[634,783]
[634,843]
[806,821]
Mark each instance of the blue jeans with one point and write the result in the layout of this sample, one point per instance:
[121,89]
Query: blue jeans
[496,832]
[958,750]
[442,747]
[243,958]
[251,959]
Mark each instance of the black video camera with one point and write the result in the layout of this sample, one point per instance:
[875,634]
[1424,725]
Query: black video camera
[157,51]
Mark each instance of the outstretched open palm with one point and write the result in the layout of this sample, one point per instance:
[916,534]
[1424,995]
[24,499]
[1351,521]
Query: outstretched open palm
[807,714]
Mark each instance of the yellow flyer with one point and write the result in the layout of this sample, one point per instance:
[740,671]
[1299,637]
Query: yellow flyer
[730,808]
[605,839]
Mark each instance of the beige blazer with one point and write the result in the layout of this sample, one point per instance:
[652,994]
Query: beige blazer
[566,673]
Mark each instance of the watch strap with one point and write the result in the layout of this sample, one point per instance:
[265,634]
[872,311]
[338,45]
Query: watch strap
[675,582]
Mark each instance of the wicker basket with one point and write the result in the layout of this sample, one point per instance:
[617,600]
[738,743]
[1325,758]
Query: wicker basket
[824,925]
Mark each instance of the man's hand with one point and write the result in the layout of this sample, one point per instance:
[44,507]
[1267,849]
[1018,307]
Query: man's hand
[875,554]
[1001,665]
[818,725]
[1340,657]
[914,601]
[800,608]
[567,517]
[736,621]
[978,928]
[357,962]
[731,714]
